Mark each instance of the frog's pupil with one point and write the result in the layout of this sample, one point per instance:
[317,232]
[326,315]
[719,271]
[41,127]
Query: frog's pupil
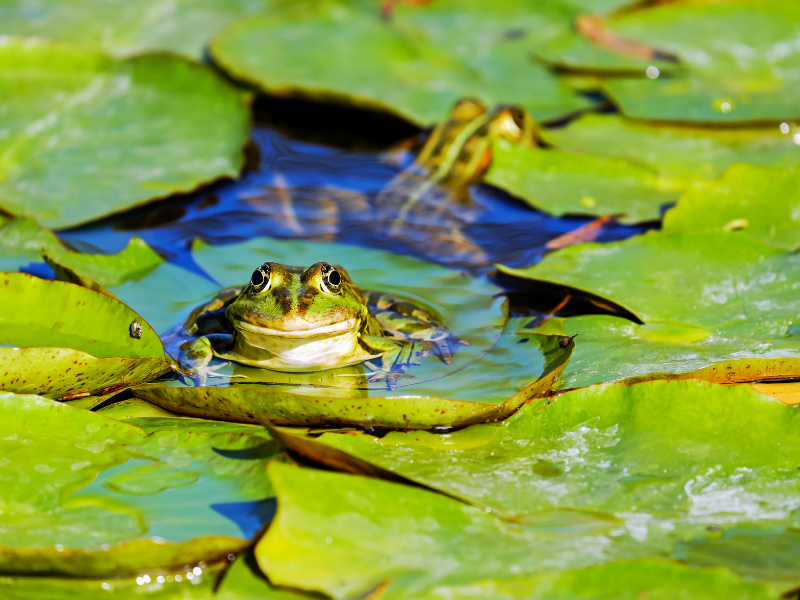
[334,278]
[258,278]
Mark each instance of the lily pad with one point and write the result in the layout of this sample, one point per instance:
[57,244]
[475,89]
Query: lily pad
[570,183]
[616,349]
[150,417]
[715,287]
[79,343]
[345,535]
[22,242]
[433,394]
[737,200]
[409,66]
[738,62]
[128,27]
[651,461]
[91,496]
[680,152]
[629,580]
[706,99]
[158,587]
[87,136]
[98,271]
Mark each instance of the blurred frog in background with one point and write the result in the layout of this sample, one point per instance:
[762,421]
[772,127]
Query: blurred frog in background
[428,204]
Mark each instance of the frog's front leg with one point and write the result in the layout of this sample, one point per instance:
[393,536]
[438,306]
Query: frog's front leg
[195,355]
[393,364]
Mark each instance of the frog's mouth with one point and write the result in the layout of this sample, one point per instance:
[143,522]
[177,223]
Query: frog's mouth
[347,325]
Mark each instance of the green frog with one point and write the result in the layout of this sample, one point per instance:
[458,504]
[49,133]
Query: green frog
[427,204]
[298,319]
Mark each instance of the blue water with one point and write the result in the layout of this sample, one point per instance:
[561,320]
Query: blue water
[506,229]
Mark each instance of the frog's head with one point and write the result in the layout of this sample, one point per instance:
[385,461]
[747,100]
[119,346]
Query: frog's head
[296,303]
[460,149]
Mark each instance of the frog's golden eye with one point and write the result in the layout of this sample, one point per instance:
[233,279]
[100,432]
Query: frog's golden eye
[261,278]
[331,279]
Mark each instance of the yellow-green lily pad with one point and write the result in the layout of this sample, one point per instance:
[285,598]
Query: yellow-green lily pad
[409,65]
[760,201]
[87,135]
[434,394]
[647,465]
[715,289]
[679,152]
[572,183]
[90,496]
[129,27]
[62,340]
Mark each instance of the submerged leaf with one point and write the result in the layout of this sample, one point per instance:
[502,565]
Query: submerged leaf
[87,136]
[98,271]
[91,496]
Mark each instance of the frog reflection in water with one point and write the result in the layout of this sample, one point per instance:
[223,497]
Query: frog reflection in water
[428,204]
[294,319]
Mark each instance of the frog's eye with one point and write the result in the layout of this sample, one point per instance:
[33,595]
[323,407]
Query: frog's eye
[331,279]
[261,278]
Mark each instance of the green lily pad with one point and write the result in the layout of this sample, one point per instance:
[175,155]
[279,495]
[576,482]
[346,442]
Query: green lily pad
[737,200]
[345,535]
[738,59]
[650,462]
[409,65]
[433,394]
[722,289]
[91,496]
[616,349]
[706,99]
[87,136]
[680,152]
[629,580]
[570,183]
[78,344]
[98,271]
[129,27]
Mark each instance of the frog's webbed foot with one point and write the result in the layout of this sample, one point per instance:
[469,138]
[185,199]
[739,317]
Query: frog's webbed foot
[200,375]
[195,356]
[391,378]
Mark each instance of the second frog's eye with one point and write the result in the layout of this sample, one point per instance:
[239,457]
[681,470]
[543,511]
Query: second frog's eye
[261,278]
[331,279]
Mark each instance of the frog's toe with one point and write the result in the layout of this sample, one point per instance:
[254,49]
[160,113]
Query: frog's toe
[390,377]
[200,375]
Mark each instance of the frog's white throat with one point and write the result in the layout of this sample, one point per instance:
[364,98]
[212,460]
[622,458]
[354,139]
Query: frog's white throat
[314,349]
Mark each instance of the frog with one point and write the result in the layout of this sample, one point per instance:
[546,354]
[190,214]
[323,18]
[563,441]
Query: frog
[427,205]
[296,319]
